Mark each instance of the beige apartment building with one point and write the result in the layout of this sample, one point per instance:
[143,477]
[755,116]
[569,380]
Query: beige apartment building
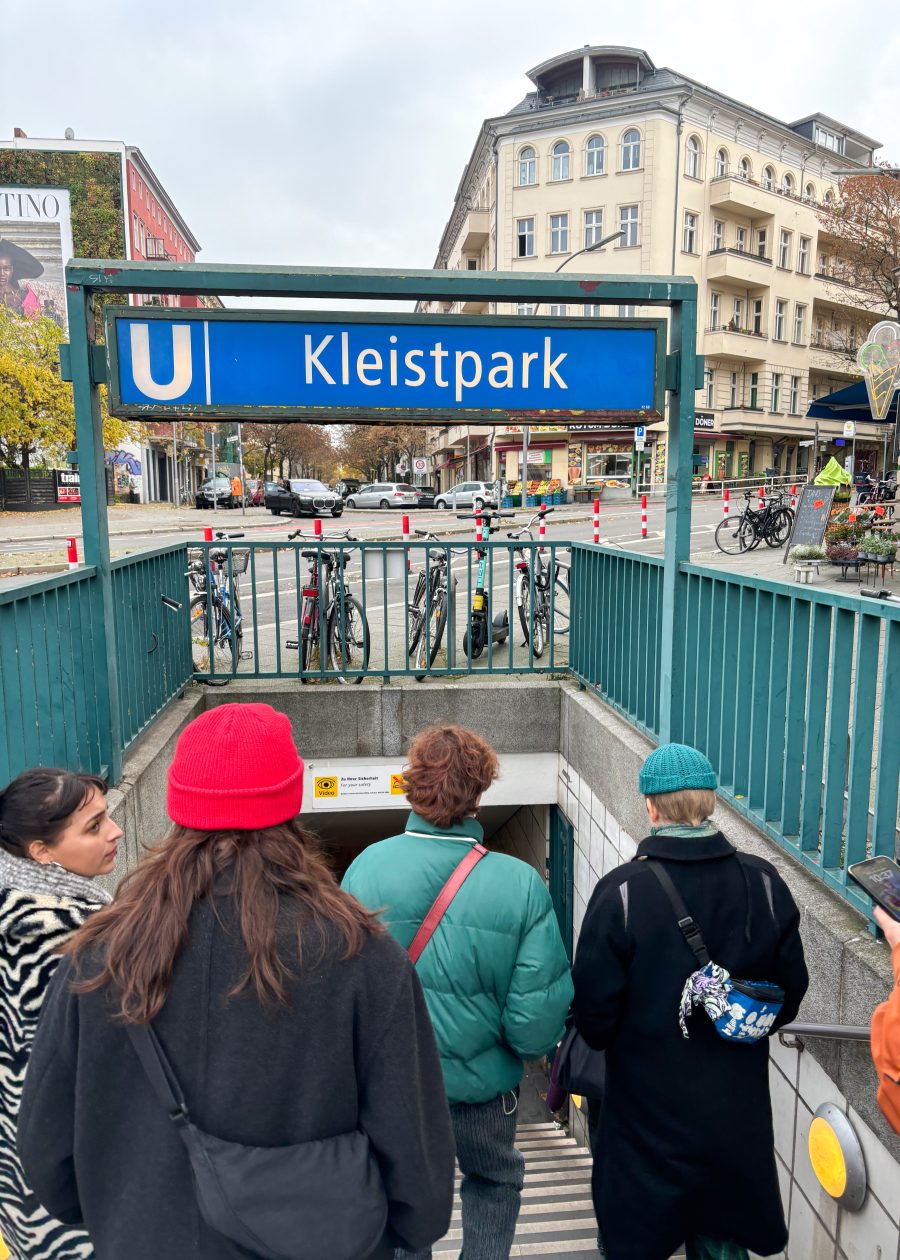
[701,185]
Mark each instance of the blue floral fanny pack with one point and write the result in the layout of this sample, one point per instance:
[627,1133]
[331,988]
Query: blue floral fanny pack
[741,1010]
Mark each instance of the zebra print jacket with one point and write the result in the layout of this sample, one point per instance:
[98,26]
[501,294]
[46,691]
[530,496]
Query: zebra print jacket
[40,907]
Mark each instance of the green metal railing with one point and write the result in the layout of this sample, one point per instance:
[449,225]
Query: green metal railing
[791,693]
[152,636]
[48,649]
[280,602]
[616,627]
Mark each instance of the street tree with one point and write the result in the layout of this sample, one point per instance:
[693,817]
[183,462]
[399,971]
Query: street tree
[861,232]
[37,415]
[372,451]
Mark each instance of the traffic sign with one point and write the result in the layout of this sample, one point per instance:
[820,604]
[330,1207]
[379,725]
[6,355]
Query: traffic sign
[420,465]
[401,468]
[639,444]
[849,429]
[640,431]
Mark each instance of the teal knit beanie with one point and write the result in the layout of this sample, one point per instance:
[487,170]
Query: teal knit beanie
[675,767]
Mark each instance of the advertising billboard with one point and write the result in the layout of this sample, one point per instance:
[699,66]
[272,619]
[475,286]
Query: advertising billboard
[35,244]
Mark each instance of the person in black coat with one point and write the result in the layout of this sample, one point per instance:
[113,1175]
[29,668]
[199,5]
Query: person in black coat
[686,1147]
[287,1013]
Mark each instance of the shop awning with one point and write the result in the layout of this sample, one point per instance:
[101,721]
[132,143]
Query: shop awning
[850,403]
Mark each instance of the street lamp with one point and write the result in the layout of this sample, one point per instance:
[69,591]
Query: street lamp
[588,249]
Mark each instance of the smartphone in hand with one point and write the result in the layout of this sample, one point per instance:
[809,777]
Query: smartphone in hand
[880,878]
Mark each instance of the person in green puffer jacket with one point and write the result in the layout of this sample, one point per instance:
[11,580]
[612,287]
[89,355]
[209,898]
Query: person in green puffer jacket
[495,973]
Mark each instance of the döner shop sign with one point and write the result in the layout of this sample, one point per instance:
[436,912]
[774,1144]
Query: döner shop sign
[300,366]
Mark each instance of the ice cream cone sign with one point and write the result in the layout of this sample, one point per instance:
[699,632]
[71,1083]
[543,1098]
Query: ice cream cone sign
[879,359]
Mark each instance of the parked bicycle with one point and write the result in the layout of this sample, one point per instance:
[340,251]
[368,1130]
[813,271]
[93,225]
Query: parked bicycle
[426,613]
[877,490]
[481,629]
[215,615]
[542,592]
[771,524]
[331,617]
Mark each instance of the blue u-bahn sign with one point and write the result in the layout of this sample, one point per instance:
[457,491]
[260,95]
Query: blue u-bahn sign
[336,366]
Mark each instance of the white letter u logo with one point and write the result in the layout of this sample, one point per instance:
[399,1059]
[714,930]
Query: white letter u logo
[182,366]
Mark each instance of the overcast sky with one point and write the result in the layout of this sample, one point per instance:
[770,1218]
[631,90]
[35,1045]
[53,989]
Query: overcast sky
[336,132]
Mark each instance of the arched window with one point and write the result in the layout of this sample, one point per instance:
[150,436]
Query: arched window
[721,163]
[527,165]
[809,193]
[746,170]
[631,150]
[829,197]
[692,157]
[595,156]
[787,184]
[768,179]
[562,159]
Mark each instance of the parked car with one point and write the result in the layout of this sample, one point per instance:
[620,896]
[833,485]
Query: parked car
[347,485]
[216,488]
[303,497]
[469,494]
[425,495]
[384,494]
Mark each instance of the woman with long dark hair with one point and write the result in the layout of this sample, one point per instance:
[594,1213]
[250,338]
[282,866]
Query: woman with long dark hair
[56,837]
[291,1025]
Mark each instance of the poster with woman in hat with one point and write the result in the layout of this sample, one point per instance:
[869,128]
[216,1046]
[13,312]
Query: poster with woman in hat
[17,267]
[35,241]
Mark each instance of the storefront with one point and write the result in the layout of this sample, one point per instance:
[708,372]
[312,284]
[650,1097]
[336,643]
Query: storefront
[547,453]
[600,455]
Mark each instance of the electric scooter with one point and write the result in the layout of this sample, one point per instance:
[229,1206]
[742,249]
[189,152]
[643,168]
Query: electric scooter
[475,639]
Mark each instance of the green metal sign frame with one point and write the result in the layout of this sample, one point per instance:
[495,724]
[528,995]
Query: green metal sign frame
[375,415]
[85,364]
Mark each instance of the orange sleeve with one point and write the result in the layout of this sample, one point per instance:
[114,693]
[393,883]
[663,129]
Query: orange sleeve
[886,1048]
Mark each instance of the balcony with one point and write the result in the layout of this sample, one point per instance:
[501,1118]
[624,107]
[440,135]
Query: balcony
[476,229]
[155,250]
[749,271]
[832,352]
[474,306]
[842,289]
[735,343]
[742,196]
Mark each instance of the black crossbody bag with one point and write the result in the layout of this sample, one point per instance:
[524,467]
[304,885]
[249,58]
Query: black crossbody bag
[321,1200]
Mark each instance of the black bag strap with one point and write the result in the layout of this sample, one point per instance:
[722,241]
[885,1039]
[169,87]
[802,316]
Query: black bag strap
[689,929]
[158,1069]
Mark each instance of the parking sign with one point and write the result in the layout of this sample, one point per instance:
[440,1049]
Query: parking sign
[640,432]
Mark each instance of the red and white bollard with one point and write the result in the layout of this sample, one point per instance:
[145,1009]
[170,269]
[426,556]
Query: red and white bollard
[793,498]
[725,494]
[72,552]
[478,533]
[596,520]
[762,498]
[207,533]
[404,531]
[317,527]
[542,525]
[643,516]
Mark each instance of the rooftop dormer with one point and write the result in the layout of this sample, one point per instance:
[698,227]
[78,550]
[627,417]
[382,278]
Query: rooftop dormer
[587,73]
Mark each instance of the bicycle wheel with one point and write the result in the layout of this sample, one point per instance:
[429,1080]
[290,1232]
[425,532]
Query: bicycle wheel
[735,536]
[415,616]
[348,638]
[432,632]
[476,635]
[534,620]
[778,529]
[561,605]
[210,648]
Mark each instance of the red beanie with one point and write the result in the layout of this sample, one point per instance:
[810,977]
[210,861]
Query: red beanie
[235,768]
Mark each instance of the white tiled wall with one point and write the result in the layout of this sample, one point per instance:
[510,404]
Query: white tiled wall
[818,1227]
[819,1230]
[525,835]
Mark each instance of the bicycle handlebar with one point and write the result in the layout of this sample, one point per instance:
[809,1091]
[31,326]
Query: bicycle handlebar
[220,533]
[485,516]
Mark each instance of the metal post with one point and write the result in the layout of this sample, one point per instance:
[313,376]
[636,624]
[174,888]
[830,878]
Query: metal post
[175,463]
[468,463]
[240,438]
[212,434]
[95,526]
[524,477]
[683,342]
